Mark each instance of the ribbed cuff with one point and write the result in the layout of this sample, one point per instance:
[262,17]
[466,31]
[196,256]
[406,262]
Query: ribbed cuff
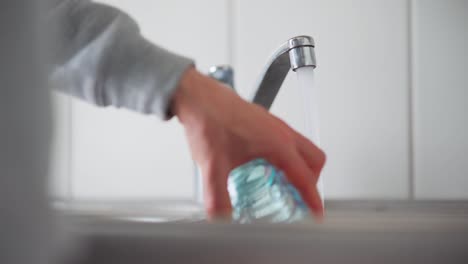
[169,70]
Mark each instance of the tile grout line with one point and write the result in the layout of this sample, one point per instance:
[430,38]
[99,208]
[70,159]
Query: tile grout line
[70,196]
[230,21]
[411,83]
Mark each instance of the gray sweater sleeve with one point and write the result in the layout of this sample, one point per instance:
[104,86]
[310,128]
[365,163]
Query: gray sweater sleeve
[100,56]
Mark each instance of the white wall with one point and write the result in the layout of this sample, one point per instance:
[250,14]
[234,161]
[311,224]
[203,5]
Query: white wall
[362,74]
[389,128]
[441,99]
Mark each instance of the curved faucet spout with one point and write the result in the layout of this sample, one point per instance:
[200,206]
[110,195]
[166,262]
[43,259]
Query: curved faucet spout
[297,52]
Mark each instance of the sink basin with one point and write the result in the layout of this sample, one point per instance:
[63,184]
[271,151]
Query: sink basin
[353,232]
[136,211]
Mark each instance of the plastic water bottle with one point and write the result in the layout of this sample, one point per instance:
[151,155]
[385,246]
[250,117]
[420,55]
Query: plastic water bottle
[261,192]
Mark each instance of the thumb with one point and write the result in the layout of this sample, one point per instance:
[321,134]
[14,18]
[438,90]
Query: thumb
[217,200]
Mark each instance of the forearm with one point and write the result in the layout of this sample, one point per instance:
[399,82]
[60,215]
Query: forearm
[101,57]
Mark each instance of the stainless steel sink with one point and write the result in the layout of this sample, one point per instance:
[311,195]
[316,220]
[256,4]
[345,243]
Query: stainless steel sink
[133,211]
[353,232]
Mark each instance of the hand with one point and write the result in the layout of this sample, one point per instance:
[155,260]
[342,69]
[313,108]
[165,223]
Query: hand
[224,131]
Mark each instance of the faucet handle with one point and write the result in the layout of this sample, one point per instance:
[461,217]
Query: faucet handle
[223,73]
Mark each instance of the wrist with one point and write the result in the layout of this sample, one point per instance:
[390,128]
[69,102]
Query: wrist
[188,97]
[180,98]
[199,99]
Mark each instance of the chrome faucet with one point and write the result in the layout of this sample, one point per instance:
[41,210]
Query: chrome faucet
[295,53]
[222,73]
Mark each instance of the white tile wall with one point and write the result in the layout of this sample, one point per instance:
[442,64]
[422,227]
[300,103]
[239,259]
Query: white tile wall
[381,64]
[441,99]
[362,75]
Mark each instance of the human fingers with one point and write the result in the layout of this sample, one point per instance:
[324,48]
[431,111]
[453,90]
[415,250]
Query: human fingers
[299,175]
[216,196]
